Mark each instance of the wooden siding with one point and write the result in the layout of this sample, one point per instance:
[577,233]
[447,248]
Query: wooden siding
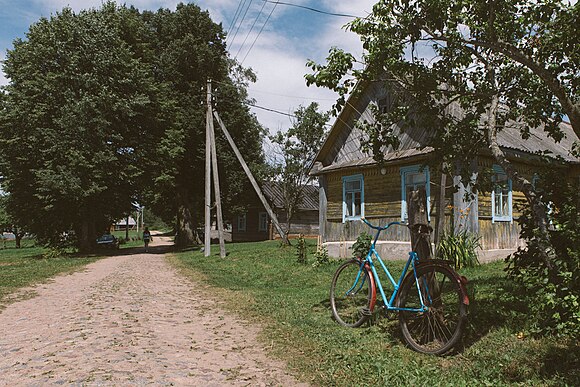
[382,204]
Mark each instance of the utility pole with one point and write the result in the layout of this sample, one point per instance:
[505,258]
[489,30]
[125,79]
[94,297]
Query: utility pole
[207,239]
[216,182]
[252,180]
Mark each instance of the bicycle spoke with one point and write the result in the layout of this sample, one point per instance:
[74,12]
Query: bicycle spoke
[440,326]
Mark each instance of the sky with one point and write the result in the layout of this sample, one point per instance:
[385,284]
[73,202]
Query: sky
[289,37]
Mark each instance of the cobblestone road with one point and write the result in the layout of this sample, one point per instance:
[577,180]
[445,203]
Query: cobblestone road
[130,320]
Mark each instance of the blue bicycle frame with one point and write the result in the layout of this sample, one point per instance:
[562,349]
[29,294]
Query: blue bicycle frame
[413,258]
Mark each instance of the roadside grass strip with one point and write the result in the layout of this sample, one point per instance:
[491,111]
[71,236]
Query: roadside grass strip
[263,282]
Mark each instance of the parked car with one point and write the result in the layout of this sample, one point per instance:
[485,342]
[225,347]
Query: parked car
[108,241]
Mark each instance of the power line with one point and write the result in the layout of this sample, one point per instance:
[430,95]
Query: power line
[235,18]
[311,9]
[241,22]
[251,29]
[259,33]
[271,110]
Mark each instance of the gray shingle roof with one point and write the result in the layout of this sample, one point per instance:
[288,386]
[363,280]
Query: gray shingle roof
[273,191]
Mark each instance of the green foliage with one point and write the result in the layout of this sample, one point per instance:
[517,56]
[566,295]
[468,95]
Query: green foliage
[321,257]
[362,245]
[71,161]
[555,302]
[301,249]
[124,122]
[295,151]
[460,248]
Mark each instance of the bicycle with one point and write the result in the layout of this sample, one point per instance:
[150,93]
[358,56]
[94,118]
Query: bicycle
[431,299]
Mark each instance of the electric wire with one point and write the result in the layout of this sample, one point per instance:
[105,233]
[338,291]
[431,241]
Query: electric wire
[250,31]
[259,33]
[241,22]
[312,9]
[234,19]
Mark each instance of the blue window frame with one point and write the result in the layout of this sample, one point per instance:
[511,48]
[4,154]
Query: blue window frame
[412,178]
[501,196]
[353,197]
[263,221]
[242,222]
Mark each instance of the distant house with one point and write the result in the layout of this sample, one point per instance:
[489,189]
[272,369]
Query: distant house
[352,185]
[122,224]
[256,225]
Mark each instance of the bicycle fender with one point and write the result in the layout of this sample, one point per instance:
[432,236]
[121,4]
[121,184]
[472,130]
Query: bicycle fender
[373,287]
[461,280]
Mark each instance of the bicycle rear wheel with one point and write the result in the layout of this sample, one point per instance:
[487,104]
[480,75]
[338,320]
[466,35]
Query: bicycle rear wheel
[351,294]
[438,329]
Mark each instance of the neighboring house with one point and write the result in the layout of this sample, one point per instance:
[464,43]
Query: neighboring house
[122,224]
[256,225]
[352,185]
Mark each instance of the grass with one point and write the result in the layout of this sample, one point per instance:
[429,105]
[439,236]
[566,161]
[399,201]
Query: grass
[27,266]
[264,283]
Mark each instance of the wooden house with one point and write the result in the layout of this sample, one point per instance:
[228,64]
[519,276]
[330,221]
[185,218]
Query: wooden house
[256,225]
[353,185]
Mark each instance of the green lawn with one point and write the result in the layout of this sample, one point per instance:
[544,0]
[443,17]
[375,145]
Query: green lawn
[27,266]
[263,282]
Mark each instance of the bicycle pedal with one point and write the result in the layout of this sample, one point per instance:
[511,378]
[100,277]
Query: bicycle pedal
[366,312]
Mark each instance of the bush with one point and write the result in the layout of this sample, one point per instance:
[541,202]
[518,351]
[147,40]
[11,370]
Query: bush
[362,245]
[321,257]
[554,300]
[460,248]
[301,249]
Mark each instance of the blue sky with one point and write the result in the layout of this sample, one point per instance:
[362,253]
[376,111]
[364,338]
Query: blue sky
[290,37]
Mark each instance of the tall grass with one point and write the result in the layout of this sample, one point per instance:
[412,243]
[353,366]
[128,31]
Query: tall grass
[460,248]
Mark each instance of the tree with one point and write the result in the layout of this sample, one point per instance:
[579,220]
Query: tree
[296,149]
[189,48]
[79,103]
[466,69]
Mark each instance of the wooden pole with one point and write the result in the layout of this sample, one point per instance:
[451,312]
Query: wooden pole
[252,180]
[216,183]
[207,239]
[440,225]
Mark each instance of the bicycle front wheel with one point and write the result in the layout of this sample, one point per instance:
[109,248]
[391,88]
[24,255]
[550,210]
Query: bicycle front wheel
[439,328]
[351,294]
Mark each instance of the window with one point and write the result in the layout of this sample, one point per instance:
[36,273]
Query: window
[352,197]
[242,222]
[412,178]
[263,221]
[501,196]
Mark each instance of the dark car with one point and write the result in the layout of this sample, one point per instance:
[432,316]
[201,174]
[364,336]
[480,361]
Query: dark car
[108,241]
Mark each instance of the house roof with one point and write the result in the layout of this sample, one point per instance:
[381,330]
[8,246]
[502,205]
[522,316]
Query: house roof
[273,191]
[342,147]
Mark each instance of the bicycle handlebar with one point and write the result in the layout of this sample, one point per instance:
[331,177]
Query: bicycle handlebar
[379,228]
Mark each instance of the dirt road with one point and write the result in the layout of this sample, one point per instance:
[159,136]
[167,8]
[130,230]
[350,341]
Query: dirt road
[130,320]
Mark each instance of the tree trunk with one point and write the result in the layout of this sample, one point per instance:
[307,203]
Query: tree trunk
[441,206]
[418,219]
[185,228]
[538,208]
[86,235]
[17,237]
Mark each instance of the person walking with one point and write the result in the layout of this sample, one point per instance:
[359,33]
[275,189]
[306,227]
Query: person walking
[146,237]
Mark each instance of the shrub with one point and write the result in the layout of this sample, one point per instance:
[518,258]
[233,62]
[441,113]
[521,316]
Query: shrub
[362,245]
[554,300]
[301,249]
[460,248]
[321,257]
